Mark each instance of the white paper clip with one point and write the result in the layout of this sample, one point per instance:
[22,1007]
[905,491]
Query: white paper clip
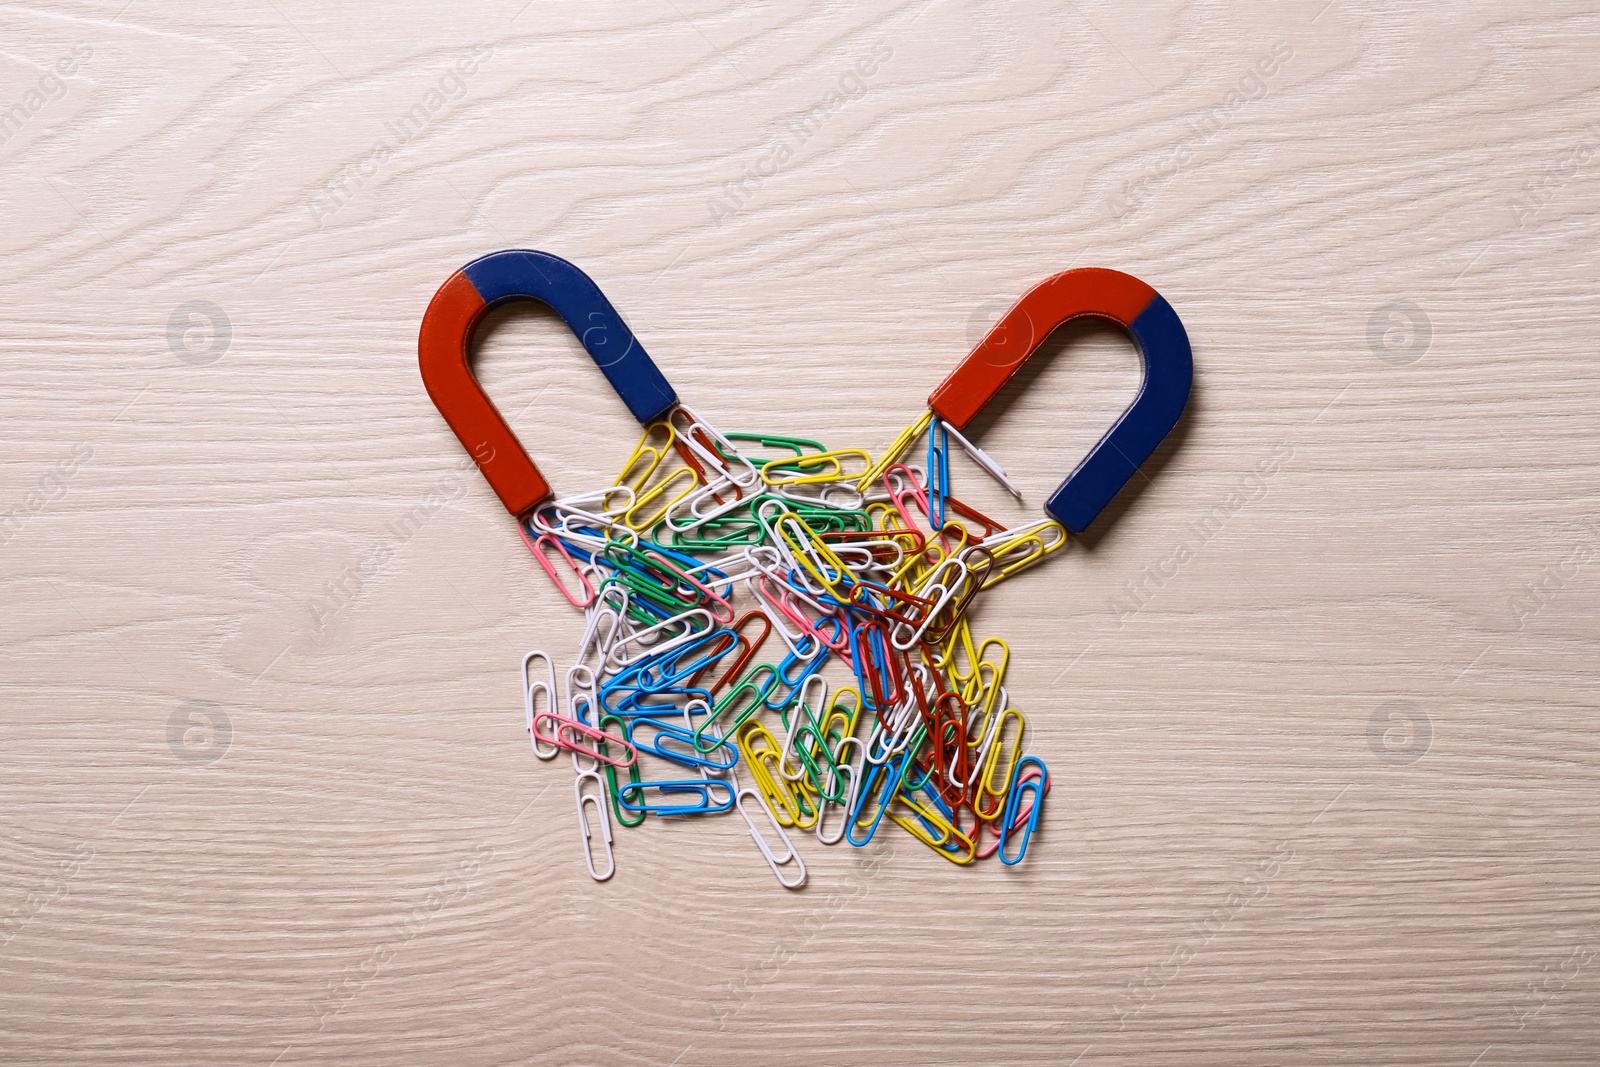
[532,688]
[605,824]
[776,863]
[981,458]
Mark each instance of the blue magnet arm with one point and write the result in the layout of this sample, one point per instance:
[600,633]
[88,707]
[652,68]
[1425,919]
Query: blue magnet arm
[572,294]
[1168,377]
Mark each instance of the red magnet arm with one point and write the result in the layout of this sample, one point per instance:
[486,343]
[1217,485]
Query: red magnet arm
[442,347]
[1085,292]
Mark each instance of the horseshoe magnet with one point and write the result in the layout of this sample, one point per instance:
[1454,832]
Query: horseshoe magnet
[1088,292]
[446,337]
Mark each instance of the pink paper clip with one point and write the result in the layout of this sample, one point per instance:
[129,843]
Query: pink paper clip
[536,547]
[565,726]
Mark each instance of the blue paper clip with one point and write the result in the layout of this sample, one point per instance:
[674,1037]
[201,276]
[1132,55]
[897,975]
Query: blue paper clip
[669,662]
[701,786]
[1036,787]
[692,757]
[890,775]
[938,472]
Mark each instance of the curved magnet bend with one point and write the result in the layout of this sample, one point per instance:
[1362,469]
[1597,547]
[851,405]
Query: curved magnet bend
[442,354]
[1168,375]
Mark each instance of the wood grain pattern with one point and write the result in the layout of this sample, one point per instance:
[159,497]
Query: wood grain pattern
[1378,223]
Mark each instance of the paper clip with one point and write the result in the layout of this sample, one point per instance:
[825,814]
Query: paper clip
[689,755]
[1035,786]
[701,787]
[897,448]
[736,665]
[1016,819]
[931,823]
[538,546]
[810,747]
[848,778]
[982,459]
[649,456]
[571,734]
[987,776]
[625,817]
[533,691]
[790,802]
[600,816]
[715,450]
[885,779]
[581,699]
[775,862]
[746,698]
[938,472]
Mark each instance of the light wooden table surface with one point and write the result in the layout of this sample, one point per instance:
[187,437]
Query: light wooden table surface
[1318,696]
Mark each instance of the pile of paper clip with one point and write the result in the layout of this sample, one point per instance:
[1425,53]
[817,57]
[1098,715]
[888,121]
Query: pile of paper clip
[859,565]
[678,703]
